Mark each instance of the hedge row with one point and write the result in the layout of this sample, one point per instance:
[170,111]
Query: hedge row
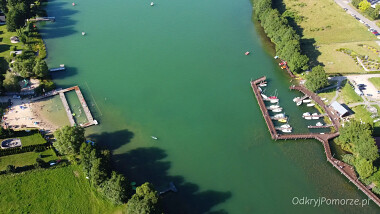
[30,148]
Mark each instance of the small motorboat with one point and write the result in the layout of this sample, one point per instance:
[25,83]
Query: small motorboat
[264,96]
[259,89]
[295,99]
[262,84]
[319,124]
[306,101]
[323,98]
[154,137]
[287,130]
[273,100]
[277,110]
[310,104]
[73,4]
[282,115]
[83,33]
[299,103]
[308,117]
[273,107]
[285,126]
[151,4]
[315,116]
[247,53]
[276,57]
[306,114]
[283,120]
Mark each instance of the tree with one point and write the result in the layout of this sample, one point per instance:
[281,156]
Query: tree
[10,82]
[316,79]
[10,168]
[15,18]
[364,168]
[69,139]
[356,3]
[116,188]
[40,69]
[24,68]
[144,201]
[364,5]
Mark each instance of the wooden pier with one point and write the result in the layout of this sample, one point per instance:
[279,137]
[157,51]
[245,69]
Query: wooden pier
[39,19]
[90,119]
[344,168]
[320,127]
[67,108]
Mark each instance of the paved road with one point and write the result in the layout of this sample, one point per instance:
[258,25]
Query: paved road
[344,4]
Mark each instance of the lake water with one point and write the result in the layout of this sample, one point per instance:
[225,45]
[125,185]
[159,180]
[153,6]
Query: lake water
[178,71]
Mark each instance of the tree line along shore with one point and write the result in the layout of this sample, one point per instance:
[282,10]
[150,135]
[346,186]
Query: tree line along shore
[356,138]
[90,172]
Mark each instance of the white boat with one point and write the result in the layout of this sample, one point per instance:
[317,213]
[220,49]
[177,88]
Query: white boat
[264,96]
[151,4]
[277,110]
[259,89]
[83,33]
[307,118]
[154,137]
[262,84]
[306,114]
[326,101]
[315,116]
[273,100]
[282,115]
[285,126]
[310,104]
[295,99]
[299,103]
[273,107]
[287,130]
[306,101]
[323,98]
[319,124]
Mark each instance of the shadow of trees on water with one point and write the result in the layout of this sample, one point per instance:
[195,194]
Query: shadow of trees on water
[150,165]
[64,24]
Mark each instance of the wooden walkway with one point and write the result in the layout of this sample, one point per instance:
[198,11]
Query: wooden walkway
[344,168]
[61,92]
[67,108]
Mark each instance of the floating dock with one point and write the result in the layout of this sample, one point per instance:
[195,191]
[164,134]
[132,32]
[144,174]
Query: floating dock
[320,127]
[344,168]
[60,68]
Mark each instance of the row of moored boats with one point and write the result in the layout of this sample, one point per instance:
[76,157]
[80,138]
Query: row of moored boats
[276,108]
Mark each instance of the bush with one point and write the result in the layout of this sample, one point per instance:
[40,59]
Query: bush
[10,169]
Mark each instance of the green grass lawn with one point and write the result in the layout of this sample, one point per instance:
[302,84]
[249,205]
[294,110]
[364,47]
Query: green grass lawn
[348,95]
[330,31]
[328,94]
[375,81]
[34,138]
[5,44]
[27,158]
[61,190]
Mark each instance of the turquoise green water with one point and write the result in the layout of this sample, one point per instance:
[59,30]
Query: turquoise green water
[178,71]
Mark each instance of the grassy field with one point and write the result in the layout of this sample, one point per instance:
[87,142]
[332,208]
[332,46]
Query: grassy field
[27,158]
[61,190]
[5,44]
[33,138]
[348,95]
[328,94]
[375,81]
[330,31]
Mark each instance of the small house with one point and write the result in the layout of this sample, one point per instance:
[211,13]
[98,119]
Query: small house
[342,111]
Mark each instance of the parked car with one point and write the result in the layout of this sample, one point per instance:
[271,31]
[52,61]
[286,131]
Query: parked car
[357,18]
[378,92]
[369,95]
[375,32]
[345,9]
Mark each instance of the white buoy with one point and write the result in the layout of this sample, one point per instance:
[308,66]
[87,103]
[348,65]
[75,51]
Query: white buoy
[151,4]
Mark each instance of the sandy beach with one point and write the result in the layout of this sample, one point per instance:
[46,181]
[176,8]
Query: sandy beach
[25,114]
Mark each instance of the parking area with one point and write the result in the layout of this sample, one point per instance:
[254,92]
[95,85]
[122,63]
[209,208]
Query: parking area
[362,82]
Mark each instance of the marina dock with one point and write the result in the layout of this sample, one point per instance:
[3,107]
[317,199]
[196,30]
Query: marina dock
[344,168]
[320,127]
[67,108]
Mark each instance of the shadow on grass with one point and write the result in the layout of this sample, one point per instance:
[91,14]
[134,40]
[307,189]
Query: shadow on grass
[308,46]
[148,164]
